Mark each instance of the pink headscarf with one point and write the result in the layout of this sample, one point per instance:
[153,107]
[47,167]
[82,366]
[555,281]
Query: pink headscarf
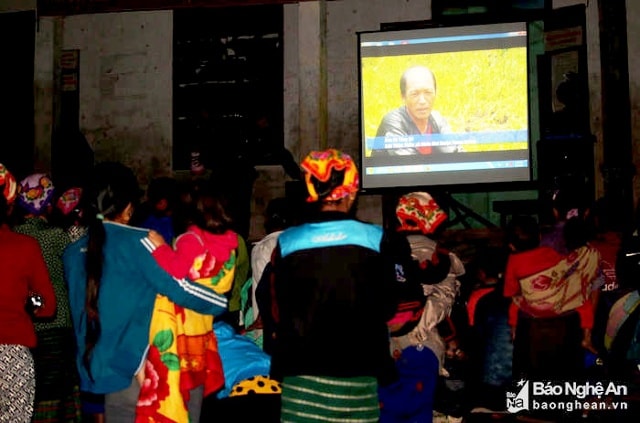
[69,200]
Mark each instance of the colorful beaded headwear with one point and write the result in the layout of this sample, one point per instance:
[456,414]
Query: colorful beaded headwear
[10,186]
[419,211]
[320,164]
[36,192]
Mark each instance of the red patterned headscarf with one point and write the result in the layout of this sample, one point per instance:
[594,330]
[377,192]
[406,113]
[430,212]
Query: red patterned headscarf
[320,164]
[419,211]
[10,185]
[69,200]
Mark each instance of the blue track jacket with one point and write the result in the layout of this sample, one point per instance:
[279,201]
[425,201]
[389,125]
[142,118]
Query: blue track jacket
[131,278]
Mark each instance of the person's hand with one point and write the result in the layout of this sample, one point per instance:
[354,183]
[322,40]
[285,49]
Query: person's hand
[156,238]
[34,304]
[140,376]
[513,333]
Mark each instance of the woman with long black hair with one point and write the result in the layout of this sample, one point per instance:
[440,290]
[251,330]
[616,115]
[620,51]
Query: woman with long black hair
[113,282]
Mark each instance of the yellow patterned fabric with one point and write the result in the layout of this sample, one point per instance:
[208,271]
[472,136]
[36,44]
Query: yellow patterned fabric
[256,385]
[561,288]
[320,164]
[183,353]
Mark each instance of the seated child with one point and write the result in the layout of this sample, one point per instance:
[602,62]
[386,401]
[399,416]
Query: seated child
[183,349]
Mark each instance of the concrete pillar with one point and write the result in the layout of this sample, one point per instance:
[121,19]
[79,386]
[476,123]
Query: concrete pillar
[312,106]
[46,62]
[617,168]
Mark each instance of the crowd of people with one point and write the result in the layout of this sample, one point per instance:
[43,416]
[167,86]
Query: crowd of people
[123,305]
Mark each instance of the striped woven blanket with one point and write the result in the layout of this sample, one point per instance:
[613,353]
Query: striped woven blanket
[329,399]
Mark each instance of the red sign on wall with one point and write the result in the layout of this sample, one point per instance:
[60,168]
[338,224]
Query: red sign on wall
[70,67]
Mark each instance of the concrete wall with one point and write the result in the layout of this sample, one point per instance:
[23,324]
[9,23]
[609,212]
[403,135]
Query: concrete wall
[17,5]
[125,85]
[44,90]
[595,84]
[126,96]
[327,75]
[633,40]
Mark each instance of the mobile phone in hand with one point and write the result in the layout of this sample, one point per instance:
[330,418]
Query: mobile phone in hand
[34,302]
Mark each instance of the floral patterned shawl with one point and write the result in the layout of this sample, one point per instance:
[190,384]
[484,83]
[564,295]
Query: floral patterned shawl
[183,351]
[562,287]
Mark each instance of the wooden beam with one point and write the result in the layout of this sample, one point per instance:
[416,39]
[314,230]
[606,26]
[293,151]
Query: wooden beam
[74,7]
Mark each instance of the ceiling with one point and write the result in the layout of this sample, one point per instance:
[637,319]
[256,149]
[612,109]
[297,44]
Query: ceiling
[72,7]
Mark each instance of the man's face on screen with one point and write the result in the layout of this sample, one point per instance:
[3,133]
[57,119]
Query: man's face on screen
[420,94]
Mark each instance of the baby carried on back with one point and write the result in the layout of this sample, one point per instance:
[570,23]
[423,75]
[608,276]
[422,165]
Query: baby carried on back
[563,287]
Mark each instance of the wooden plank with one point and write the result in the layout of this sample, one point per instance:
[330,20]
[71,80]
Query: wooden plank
[73,7]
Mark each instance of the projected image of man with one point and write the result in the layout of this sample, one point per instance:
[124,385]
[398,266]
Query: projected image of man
[416,116]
